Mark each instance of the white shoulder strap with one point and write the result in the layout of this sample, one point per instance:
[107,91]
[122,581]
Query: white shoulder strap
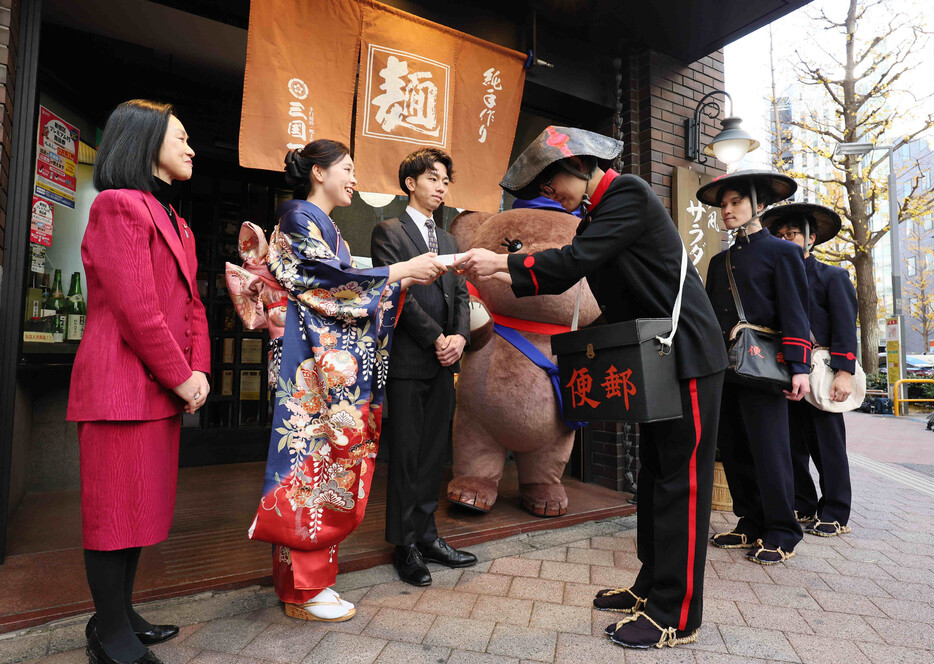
[675,314]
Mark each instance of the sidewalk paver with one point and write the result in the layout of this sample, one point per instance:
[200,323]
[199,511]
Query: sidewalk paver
[864,598]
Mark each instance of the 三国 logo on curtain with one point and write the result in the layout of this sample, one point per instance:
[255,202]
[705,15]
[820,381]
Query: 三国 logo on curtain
[406,97]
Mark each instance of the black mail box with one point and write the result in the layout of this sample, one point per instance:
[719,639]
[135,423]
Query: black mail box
[618,373]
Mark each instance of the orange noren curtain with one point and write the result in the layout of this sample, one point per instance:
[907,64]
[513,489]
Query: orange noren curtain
[420,84]
[301,65]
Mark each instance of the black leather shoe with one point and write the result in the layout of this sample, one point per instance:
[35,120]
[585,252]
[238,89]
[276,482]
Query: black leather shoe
[411,566]
[158,633]
[441,552]
[97,654]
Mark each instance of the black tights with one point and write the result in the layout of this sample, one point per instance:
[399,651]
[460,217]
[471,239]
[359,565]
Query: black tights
[111,575]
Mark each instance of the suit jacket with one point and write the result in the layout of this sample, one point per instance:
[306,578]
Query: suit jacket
[630,252]
[832,312]
[442,307]
[146,328]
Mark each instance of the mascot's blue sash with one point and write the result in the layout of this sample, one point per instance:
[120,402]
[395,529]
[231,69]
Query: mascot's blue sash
[526,347]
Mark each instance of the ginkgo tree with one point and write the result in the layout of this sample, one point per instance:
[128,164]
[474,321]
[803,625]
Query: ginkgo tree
[857,64]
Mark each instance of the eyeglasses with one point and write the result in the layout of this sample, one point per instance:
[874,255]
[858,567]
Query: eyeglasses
[789,235]
[545,189]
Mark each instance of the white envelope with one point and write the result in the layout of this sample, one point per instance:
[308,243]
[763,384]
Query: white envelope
[447,260]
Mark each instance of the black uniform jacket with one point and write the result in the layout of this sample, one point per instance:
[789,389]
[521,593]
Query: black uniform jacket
[773,288]
[442,307]
[833,312]
[630,252]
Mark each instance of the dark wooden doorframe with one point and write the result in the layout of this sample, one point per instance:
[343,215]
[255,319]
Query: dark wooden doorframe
[22,156]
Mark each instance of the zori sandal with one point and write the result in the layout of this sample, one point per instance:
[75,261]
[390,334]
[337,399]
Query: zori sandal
[731,540]
[640,631]
[764,555]
[618,599]
[826,528]
[326,606]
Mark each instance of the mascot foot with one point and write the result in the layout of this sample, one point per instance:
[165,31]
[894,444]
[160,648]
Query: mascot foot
[475,493]
[545,500]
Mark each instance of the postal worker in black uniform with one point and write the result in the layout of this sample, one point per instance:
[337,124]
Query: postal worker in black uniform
[432,330]
[754,439]
[816,433]
[629,250]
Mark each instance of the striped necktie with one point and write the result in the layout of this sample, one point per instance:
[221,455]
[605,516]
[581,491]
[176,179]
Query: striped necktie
[432,237]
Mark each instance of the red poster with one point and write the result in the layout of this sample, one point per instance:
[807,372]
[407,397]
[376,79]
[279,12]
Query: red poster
[40,231]
[56,159]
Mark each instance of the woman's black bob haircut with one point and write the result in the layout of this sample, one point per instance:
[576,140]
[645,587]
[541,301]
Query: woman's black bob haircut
[130,146]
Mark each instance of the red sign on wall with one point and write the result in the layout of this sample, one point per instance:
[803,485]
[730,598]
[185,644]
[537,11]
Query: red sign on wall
[56,159]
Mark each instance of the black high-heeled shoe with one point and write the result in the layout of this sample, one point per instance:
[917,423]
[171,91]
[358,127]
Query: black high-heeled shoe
[97,654]
[158,633]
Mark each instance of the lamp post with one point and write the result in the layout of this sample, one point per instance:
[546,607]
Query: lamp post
[730,145]
[860,149]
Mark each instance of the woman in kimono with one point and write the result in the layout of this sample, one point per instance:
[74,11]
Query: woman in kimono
[773,290]
[333,358]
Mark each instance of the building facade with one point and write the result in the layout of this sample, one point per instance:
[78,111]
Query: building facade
[634,70]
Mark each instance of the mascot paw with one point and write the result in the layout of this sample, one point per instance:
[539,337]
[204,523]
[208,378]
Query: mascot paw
[474,493]
[545,500]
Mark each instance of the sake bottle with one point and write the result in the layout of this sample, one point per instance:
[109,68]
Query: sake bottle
[75,309]
[57,304]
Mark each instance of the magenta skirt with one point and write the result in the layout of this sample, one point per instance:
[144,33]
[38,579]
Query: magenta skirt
[129,471]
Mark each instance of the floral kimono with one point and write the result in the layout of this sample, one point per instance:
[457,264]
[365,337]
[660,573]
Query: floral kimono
[328,399]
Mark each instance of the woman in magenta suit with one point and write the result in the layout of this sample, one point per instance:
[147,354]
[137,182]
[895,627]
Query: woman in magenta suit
[142,361]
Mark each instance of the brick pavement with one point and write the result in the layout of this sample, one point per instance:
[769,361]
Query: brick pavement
[864,598]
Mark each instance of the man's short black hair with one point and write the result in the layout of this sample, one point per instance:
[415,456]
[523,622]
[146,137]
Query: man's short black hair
[130,146]
[421,161]
[764,195]
[798,222]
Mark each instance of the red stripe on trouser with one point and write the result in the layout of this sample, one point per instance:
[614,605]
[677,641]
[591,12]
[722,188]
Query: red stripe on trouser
[534,281]
[692,509]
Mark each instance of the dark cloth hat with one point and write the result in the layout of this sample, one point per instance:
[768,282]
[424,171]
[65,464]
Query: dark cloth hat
[552,145]
[823,221]
[778,186]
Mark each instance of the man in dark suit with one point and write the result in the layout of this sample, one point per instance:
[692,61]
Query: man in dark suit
[430,337]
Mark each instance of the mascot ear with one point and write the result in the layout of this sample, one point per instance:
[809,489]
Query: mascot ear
[481,325]
[464,225]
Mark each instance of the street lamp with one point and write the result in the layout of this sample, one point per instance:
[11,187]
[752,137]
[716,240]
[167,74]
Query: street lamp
[859,149]
[730,145]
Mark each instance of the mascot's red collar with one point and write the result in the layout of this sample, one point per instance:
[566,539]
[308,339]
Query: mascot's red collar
[605,181]
[520,323]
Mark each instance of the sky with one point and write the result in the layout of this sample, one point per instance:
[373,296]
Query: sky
[747,74]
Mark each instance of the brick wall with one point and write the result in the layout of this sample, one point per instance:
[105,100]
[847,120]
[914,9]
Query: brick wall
[658,93]
[9,15]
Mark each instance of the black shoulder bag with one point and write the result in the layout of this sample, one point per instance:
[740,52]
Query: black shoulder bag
[756,352]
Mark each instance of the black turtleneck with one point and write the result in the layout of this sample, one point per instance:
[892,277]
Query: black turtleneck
[165,194]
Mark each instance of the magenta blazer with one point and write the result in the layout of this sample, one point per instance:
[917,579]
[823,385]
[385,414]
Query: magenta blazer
[146,327]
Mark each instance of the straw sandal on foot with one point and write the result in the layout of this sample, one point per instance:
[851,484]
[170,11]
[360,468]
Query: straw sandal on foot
[618,599]
[768,556]
[731,540]
[806,518]
[326,606]
[640,631]
[826,528]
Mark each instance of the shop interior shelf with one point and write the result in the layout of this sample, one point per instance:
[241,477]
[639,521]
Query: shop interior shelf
[36,347]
